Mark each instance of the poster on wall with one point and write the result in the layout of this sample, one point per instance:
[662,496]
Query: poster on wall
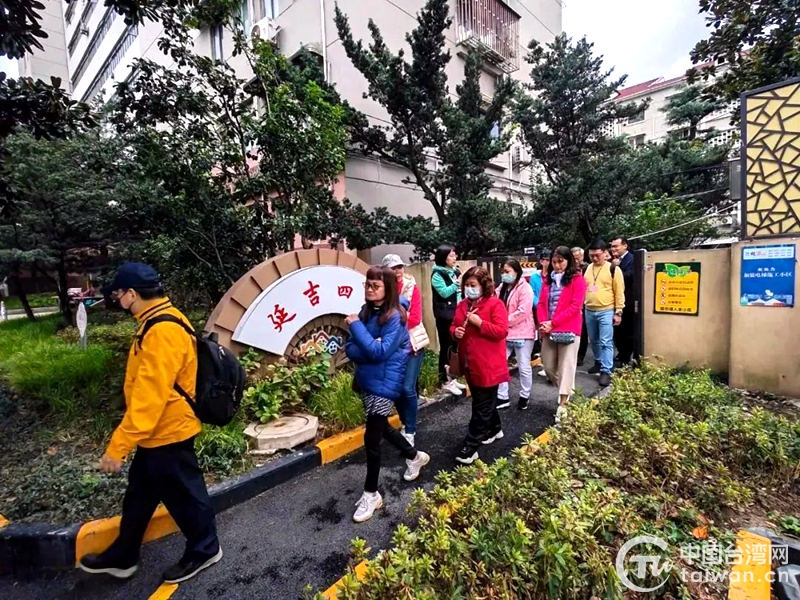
[768,274]
[677,289]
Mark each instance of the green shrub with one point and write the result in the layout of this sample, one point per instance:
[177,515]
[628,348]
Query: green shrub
[223,449]
[285,387]
[661,454]
[337,405]
[429,374]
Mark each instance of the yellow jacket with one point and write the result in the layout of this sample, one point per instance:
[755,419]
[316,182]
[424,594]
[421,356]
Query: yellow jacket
[603,293]
[155,414]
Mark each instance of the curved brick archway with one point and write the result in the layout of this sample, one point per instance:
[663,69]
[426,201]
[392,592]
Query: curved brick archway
[235,303]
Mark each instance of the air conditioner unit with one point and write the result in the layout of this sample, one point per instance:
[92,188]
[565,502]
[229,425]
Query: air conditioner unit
[84,30]
[727,221]
[266,29]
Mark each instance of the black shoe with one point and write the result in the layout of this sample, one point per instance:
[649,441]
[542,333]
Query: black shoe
[97,563]
[186,570]
[522,404]
[503,403]
[605,380]
[595,369]
[493,437]
[467,456]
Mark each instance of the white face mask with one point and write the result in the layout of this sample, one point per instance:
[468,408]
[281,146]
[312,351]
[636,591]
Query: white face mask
[508,277]
[473,293]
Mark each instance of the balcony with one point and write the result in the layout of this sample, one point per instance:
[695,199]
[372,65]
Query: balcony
[492,28]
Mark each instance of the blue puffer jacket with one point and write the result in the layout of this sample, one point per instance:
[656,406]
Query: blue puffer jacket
[380,353]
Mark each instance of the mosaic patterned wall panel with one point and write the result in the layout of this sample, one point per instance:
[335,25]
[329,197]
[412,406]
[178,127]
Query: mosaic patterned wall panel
[771,132]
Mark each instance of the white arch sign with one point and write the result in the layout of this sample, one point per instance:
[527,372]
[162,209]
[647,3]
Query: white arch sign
[286,306]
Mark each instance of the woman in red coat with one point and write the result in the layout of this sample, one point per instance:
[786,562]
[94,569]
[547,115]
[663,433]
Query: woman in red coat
[481,326]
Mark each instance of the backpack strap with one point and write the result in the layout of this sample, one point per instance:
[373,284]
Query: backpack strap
[167,319]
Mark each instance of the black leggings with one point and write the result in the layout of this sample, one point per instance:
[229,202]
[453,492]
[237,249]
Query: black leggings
[378,428]
[445,343]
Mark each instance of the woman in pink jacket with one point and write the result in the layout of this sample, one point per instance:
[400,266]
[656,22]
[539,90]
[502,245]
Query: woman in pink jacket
[560,313]
[517,295]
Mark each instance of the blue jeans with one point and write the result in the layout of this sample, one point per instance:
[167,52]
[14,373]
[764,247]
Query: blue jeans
[407,404]
[600,325]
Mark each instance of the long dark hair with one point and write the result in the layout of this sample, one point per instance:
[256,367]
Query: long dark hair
[569,272]
[391,302]
[441,254]
[505,289]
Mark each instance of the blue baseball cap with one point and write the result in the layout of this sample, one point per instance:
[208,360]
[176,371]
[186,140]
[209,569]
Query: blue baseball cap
[133,276]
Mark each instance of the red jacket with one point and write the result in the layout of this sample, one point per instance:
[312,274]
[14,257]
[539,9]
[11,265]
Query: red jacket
[415,308]
[482,352]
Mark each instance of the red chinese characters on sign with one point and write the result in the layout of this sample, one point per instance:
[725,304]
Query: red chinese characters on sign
[280,317]
[345,291]
[311,293]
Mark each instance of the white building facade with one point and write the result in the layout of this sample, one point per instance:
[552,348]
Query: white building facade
[95,49]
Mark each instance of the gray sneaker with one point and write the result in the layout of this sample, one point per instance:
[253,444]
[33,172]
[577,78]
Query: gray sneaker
[415,464]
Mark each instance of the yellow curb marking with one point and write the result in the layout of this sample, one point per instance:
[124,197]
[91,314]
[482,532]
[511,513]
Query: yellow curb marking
[3,521]
[751,581]
[332,593]
[544,438]
[164,591]
[335,447]
[96,536]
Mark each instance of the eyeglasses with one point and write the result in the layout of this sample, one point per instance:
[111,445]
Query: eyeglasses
[373,285]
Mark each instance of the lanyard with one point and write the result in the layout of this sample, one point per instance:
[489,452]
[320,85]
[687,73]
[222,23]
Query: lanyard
[596,274]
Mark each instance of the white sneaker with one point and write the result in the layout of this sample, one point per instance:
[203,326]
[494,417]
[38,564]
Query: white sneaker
[503,403]
[561,413]
[415,464]
[452,388]
[409,436]
[542,373]
[459,385]
[497,436]
[366,506]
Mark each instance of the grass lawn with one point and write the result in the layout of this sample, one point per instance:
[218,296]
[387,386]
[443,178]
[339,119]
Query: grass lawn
[35,300]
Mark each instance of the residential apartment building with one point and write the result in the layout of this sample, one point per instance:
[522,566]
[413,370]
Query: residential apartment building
[650,125]
[52,61]
[99,48]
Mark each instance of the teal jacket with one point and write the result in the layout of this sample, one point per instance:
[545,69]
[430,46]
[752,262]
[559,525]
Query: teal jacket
[438,283]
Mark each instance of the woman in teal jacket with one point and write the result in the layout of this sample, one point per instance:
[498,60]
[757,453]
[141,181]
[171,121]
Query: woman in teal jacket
[446,295]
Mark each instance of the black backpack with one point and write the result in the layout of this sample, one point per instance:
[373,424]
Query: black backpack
[220,377]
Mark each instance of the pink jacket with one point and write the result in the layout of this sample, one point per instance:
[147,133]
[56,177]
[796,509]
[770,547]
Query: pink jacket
[520,312]
[568,315]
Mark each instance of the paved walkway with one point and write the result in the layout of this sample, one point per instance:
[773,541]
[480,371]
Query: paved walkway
[299,533]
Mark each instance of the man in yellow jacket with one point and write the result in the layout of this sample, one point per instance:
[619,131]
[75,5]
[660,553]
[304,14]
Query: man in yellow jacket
[605,301]
[159,426]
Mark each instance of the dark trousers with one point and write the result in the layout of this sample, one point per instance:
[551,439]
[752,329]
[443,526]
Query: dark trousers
[485,420]
[378,428]
[624,337]
[584,345]
[445,343]
[168,474]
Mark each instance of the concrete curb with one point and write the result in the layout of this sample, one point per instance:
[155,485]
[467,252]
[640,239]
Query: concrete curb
[31,548]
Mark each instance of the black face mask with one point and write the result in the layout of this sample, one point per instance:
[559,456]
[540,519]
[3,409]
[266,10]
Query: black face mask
[112,304]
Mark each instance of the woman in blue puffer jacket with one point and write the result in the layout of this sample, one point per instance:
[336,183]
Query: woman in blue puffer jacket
[379,347]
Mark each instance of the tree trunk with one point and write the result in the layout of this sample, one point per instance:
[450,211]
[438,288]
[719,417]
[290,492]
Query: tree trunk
[63,297]
[23,297]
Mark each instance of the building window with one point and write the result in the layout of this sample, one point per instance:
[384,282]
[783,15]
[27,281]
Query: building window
[70,11]
[244,15]
[636,141]
[216,42]
[112,62]
[491,27]
[636,118]
[267,9]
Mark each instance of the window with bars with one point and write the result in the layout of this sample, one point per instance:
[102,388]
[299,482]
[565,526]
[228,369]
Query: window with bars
[266,9]
[111,63]
[216,42]
[97,39]
[70,11]
[492,28]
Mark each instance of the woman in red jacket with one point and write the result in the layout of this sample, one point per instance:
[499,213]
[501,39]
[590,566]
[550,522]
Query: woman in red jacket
[481,326]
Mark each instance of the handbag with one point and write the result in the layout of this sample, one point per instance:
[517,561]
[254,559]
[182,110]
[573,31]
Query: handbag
[455,369]
[418,337]
[563,338]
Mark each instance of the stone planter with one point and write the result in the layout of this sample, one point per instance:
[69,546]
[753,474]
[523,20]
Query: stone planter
[281,434]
